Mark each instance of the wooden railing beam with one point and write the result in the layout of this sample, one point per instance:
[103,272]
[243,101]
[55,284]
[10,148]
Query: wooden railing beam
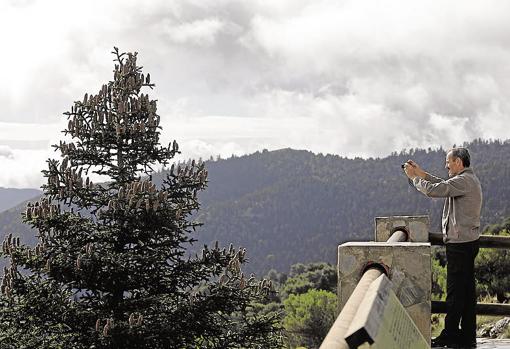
[439,307]
[486,241]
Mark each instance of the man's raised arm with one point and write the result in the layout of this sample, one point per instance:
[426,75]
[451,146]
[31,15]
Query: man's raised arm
[452,187]
[433,186]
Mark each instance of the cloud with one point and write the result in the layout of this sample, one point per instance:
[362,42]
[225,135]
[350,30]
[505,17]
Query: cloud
[352,77]
[30,132]
[22,168]
[6,152]
[199,32]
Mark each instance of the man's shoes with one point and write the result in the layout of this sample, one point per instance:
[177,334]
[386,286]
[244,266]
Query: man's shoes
[443,341]
[467,344]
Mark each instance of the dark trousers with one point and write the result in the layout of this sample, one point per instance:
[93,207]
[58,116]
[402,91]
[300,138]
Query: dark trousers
[461,290]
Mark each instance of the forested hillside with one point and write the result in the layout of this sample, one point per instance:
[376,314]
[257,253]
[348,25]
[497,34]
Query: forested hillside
[291,206]
[10,197]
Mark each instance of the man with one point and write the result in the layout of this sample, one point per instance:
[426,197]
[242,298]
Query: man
[461,230]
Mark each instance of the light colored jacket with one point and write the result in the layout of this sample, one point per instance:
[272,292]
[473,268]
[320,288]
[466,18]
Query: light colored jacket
[462,206]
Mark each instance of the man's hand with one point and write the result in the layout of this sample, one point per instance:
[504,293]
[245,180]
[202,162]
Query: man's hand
[412,170]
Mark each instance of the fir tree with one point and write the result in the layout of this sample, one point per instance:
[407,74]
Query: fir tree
[111,269]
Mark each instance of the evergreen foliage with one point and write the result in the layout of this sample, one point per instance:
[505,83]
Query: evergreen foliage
[308,317]
[110,269]
[492,265]
[313,276]
[438,280]
[307,299]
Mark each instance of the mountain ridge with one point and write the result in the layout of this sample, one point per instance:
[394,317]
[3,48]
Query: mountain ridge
[289,206]
[11,197]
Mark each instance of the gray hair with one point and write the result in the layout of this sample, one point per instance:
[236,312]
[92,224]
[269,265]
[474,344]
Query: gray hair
[462,154]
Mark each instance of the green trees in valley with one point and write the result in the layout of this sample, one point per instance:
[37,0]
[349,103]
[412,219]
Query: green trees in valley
[307,298]
[308,317]
[492,265]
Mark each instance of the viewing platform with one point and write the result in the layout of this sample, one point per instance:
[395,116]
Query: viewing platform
[486,343]
[384,289]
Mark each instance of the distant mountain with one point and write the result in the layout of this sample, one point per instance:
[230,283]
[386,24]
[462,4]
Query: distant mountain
[11,197]
[290,206]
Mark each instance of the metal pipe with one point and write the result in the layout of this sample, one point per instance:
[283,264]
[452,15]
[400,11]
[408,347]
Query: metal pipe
[335,337]
[399,235]
[486,241]
[480,309]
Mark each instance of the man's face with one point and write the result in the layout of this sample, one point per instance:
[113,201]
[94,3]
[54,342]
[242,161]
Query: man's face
[453,165]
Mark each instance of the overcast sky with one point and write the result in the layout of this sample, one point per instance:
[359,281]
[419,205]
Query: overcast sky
[355,78]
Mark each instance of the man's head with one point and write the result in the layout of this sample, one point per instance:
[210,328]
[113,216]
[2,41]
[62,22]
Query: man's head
[456,160]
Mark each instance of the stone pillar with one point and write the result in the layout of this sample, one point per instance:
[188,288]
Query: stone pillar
[416,226]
